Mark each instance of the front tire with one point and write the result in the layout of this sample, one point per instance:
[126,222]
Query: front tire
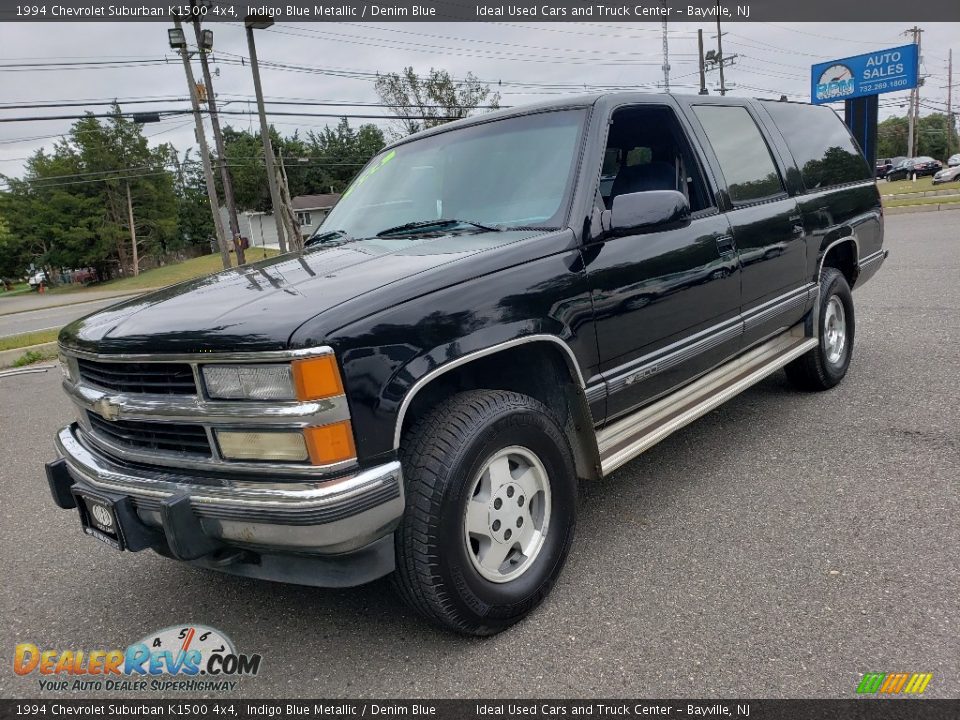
[490,510]
[825,366]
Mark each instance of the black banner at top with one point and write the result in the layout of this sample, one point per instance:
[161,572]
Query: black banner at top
[500,709]
[620,11]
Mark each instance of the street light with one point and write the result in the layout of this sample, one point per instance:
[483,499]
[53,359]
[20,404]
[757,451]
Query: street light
[178,41]
[206,41]
[257,22]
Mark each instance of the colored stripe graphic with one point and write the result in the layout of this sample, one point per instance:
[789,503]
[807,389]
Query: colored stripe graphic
[894,683]
[871,683]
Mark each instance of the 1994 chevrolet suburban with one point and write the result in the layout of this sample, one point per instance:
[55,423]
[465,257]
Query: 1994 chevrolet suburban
[496,309]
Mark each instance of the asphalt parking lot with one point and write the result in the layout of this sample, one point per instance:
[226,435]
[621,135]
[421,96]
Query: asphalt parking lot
[778,547]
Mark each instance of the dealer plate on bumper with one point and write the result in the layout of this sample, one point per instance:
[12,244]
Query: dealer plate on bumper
[98,516]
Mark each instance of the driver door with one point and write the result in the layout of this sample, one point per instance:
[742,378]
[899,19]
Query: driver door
[666,301]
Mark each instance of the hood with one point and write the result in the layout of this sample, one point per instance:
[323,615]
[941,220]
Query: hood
[259,306]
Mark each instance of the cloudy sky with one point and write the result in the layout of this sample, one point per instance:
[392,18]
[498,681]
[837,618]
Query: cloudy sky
[334,62]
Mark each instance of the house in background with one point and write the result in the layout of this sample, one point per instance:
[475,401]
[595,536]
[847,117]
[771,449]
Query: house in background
[261,231]
[311,210]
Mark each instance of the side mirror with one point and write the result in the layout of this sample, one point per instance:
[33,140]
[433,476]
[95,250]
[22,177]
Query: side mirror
[648,211]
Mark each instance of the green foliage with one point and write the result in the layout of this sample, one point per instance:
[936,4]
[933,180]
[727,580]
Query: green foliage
[934,137]
[436,97]
[70,208]
[323,162]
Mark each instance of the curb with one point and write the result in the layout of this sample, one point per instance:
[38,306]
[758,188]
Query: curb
[929,207]
[9,357]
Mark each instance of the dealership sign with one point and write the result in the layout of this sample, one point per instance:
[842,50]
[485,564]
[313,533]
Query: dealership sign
[871,74]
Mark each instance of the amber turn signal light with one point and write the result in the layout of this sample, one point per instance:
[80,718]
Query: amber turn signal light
[317,378]
[329,444]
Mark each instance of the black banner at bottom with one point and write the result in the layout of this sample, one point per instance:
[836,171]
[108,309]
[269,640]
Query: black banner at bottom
[853,709]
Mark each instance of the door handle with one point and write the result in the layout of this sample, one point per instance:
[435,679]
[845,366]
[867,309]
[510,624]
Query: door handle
[725,244]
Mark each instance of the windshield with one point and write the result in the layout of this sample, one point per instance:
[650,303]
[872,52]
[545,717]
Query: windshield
[509,173]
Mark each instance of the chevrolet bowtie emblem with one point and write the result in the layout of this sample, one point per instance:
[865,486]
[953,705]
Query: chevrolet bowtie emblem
[107,408]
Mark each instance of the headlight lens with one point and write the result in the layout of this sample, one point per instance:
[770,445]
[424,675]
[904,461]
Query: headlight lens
[323,445]
[275,446]
[249,382]
[309,379]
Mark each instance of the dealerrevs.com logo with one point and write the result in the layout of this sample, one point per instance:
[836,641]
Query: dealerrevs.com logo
[189,658]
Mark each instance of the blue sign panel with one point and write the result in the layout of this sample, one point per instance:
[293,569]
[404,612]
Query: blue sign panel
[871,74]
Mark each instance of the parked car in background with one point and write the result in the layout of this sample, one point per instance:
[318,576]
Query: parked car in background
[885,165]
[953,161]
[921,166]
[948,174]
[37,279]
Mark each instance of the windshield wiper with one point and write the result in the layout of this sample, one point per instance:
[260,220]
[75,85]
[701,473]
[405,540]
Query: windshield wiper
[421,225]
[318,238]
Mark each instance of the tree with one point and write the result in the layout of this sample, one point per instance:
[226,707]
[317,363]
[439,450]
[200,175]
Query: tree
[70,208]
[323,162]
[935,137]
[437,98]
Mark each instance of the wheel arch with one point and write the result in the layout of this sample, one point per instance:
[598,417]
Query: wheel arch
[542,366]
[844,255]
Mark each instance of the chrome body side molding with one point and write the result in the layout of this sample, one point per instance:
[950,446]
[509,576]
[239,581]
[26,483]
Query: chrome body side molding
[639,369]
[624,440]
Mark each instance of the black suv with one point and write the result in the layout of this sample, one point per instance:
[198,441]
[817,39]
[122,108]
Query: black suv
[497,309]
[919,166]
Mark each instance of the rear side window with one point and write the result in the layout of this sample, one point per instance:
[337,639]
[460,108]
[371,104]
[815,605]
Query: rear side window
[821,144]
[744,157]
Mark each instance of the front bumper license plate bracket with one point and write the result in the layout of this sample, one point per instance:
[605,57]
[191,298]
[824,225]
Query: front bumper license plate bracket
[113,520]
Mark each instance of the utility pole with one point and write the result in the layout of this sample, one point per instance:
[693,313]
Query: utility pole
[133,232]
[204,151]
[723,87]
[952,127]
[293,225]
[666,59]
[913,112]
[225,178]
[703,71]
[250,23]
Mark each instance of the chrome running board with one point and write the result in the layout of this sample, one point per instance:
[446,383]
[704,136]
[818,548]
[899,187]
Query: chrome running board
[625,439]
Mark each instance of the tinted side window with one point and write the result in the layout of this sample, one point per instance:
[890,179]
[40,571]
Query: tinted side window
[821,144]
[742,152]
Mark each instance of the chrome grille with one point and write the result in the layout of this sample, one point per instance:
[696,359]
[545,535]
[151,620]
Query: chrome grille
[133,377]
[175,437]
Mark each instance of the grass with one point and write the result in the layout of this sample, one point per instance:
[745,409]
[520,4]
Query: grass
[18,289]
[11,342]
[923,184]
[158,277]
[34,356]
[171,274]
[932,200]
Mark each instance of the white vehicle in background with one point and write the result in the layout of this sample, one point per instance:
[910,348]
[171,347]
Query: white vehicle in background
[948,174]
[38,278]
[953,161]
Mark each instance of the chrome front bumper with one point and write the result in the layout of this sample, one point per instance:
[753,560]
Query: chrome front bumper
[302,517]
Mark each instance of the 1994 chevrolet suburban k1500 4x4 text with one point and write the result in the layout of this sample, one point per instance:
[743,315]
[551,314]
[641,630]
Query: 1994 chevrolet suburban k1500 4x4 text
[496,309]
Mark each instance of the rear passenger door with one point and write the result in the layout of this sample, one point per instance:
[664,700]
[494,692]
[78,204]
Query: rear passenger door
[766,222]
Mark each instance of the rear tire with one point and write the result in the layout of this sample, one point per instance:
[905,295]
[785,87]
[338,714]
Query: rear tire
[825,366]
[490,510]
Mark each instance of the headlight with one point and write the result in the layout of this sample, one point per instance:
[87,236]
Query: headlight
[249,382]
[322,445]
[275,446]
[310,379]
